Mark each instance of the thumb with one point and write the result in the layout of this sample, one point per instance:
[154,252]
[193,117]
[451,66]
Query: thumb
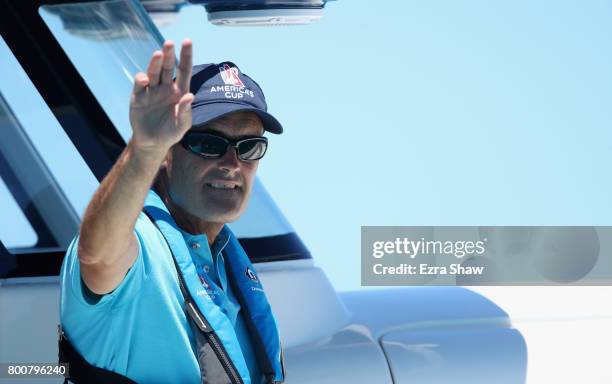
[183,116]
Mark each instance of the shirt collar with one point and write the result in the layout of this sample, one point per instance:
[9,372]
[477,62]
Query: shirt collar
[221,241]
[217,246]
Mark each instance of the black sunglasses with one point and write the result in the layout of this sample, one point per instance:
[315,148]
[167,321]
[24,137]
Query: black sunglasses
[214,145]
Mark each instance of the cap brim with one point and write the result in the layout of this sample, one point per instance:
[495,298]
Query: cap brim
[205,113]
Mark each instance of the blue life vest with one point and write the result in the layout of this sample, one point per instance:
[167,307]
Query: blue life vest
[217,334]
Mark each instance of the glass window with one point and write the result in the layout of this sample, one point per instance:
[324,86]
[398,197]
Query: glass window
[19,234]
[108,42]
[45,184]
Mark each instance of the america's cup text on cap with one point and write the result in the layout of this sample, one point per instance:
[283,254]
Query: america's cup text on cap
[232,92]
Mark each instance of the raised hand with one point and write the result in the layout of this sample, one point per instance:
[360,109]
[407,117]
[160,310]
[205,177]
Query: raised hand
[160,107]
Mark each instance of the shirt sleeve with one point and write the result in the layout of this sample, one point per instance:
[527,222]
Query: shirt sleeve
[74,290]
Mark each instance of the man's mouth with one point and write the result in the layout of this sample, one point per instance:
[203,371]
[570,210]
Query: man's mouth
[222,185]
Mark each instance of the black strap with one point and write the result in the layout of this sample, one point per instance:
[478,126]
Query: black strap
[80,371]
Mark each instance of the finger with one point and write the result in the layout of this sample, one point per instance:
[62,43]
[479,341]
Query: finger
[154,68]
[167,72]
[141,81]
[183,75]
[184,112]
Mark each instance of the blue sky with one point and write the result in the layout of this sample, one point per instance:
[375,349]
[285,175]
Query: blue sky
[429,113]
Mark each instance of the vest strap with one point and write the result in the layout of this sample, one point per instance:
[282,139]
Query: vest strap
[79,370]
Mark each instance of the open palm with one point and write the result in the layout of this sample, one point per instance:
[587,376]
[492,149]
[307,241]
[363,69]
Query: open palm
[160,107]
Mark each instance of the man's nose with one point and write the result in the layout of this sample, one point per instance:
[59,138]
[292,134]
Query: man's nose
[230,161]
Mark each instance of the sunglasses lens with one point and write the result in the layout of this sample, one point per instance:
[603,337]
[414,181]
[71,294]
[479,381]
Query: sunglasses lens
[213,146]
[252,149]
[208,145]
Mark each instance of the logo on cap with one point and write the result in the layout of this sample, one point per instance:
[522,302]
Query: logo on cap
[230,76]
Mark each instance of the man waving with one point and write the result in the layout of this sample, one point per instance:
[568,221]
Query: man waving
[156,288]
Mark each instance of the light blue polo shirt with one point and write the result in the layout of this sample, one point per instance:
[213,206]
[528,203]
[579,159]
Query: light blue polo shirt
[140,329]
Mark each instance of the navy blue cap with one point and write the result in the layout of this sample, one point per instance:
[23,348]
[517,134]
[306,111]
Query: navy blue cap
[220,89]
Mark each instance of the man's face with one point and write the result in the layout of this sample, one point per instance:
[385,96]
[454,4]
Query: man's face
[194,181]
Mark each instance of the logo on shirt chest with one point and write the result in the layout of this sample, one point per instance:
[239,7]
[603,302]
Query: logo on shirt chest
[211,290]
[204,283]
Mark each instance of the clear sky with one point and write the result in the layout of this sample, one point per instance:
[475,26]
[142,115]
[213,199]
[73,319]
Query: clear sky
[429,113]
